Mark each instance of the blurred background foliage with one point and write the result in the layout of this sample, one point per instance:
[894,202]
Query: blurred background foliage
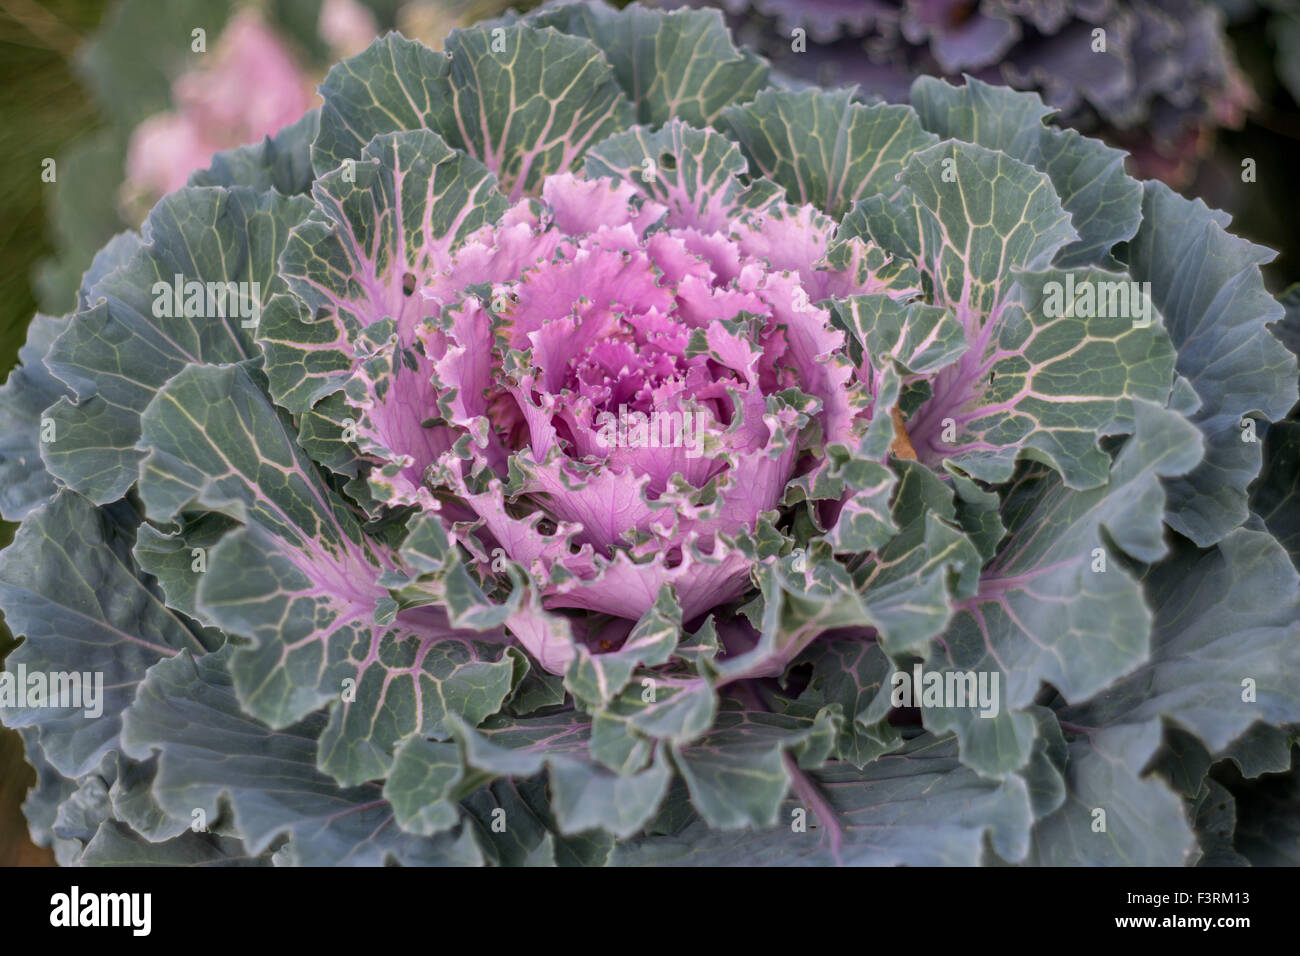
[43,110]
[78,76]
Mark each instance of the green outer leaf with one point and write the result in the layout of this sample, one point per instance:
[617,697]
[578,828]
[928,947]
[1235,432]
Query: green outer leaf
[1222,617]
[1043,614]
[213,440]
[50,790]
[403,206]
[1145,824]
[1207,285]
[978,221]
[696,173]
[909,583]
[116,844]
[1262,749]
[80,814]
[1275,496]
[824,148]
[29,390]
[855,675]
[171,558]
[1104,204]
[919,337]
[115,254]
[595,679]
[677,64]
[69,586]
[210,752]
[980,214]
[422,785]
[740,771]
[977,513]
[1268,817]
[117,354]
[919,807]
[532,835]
[133,803]
[584,795]
[394,84]
[1287,329]
[420,683]
[530,110]
[281,162]
[300,583]
[1057,383]
[656,708]
[857,476]
[1216,820]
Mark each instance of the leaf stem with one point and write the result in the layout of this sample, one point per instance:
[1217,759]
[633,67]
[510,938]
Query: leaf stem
[1076,728]
[811,796]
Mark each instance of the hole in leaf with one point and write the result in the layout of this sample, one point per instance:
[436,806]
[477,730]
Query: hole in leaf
[959,13]
[667,161]
[408,283]
[799,678]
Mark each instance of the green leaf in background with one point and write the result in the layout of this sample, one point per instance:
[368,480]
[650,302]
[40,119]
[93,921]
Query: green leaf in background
[141,48]
[83,216]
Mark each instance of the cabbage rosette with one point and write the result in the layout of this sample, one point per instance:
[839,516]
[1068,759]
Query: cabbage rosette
[571,448]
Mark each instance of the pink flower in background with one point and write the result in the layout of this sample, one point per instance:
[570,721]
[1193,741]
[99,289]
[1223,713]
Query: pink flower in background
[164,150]
[347,26]
[247,88]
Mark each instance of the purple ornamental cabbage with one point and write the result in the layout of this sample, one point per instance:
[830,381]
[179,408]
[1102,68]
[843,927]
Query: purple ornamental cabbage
[1154,77]
[573,429]
[642,382]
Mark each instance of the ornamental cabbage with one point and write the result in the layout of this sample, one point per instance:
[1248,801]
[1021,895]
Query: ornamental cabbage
[1158,78]
[571,448]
